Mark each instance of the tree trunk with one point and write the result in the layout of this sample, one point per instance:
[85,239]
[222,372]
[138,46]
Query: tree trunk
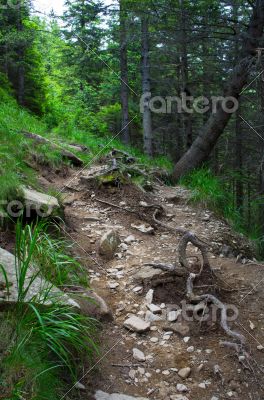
[21,68]
[124,74]
[147,120]
[208,136]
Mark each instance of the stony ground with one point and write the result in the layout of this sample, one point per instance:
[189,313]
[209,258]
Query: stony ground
[160,355]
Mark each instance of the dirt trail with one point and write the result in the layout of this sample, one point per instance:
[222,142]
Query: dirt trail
[215,371]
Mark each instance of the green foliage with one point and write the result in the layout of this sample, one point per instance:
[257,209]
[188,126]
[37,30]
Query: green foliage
[42,340]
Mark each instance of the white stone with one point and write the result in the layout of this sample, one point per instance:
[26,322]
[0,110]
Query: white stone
[149,296]
[79,386]
[113,285]
[174,315]
[182,388]
[154,309]
[130,239]
[202,385]
[178,397]
[154,340]
[184,373]
[166,372]
[137,324]
[186,339]
[190,349]
[138,355]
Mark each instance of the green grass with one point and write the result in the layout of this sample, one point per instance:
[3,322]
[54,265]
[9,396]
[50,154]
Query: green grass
[41,343]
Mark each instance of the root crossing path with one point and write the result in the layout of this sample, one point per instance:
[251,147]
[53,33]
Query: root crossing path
[193,334]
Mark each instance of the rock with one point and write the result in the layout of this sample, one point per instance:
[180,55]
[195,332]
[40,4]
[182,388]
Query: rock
[178,397]
[99,395]
[146,274]
[113,285]
[143,228]
[130,239]
[181,388]
[79,386]
[174,315]
[184,373]
[7,260]
[154,339]
[180,327]
[149,296]
[190,349]
[154,309]
[93,305]
[260,347]
[186,339]
[109,244]
[202,385]
[138,289]
[139,355]
[43,204]
[137,324]
[150,317]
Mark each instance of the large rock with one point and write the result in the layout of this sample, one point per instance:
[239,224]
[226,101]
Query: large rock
[146,273]
[99,395]
[93,305]
[36,289]
[43,204]
[109,244]
[137,324]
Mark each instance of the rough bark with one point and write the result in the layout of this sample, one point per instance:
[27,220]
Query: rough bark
[147,120]
[208,136]
[124,94]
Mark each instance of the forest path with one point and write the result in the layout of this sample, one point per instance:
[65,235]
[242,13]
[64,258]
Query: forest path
[215,371]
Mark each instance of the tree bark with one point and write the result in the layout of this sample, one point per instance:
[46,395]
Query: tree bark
[147,120]
[208,136]
[124,94]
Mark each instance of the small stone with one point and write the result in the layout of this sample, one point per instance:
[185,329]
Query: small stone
[109,244]
[186,339]
[138,355]
[154,309]
[149,296]
[174,315]
[130,239]
[138,289]
[182,388]
[178,397]
[202,385]
[150,317]
[132,374]
[181,328]
[154,340]
[166,372]
[184,373]
[260,347]
[190,349]
[79,386]
[137,324]
[162,306]
[214,398]
[113,285]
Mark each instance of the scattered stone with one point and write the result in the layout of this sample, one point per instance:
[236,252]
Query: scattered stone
[154,309]
[260,347]
[109,244]
[190,349]
[184,373]
[182,388]
[174,315]
[154,339]
[180,327]
[214,398]
[138,289]
[186,339]
[99,395]
[93,305]
[202,385]
[79,386]
[149,296]
[251,325]
[113,285]
[130,239]
[137,324]
[150,317]
[178,397]
[147,273]
[138,355]
[143,228]
[166,372]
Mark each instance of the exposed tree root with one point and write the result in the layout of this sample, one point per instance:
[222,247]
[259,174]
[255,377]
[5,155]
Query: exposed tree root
[184,271]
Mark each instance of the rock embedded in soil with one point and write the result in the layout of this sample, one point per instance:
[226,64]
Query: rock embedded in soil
[181,388]
[184,373]
[138,355]
[137,324]
[99,395]
[43,204]
[109,244]
[178,397]
[174,315]
[179,327]
[147,273]
[154,309]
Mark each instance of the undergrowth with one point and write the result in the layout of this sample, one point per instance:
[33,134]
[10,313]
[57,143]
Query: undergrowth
[41,342]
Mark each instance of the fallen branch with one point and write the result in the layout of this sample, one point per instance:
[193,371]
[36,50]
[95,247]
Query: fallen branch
[65,153]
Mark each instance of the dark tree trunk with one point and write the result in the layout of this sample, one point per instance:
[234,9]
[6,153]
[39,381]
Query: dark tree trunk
[124,74]
[147,120]
[208,136]
[21,67]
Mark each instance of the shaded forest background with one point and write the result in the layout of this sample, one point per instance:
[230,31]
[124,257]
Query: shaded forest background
[66,70]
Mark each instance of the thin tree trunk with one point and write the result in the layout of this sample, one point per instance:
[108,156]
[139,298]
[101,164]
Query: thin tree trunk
[147,120]
[208,136]
[21,68]
[124,74]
